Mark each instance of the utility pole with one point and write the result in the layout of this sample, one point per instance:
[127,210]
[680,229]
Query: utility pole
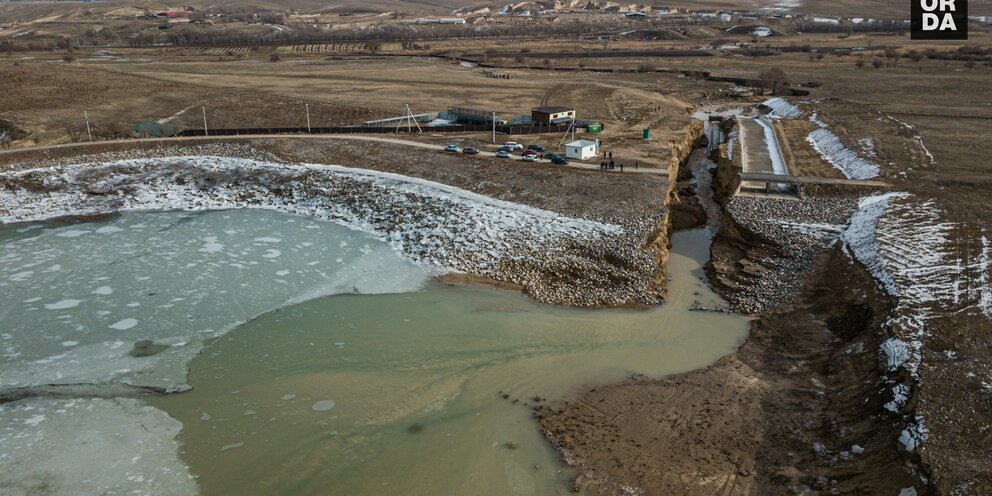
[308,117]
[204,109]
[494,128]
[410,118]
[89,133]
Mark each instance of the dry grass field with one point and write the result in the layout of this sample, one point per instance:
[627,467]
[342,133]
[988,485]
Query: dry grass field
[251,92]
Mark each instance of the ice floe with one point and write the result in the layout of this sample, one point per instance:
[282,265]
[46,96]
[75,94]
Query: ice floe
[99,340]
[89,447]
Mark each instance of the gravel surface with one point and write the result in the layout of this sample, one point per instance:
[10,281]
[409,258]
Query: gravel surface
[795,231]
[591,266]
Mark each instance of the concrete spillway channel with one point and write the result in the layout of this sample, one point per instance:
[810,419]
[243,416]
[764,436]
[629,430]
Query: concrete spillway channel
[761,154]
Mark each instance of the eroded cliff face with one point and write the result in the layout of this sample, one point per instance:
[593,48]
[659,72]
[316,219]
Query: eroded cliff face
[796,409]
[658,242]
[838,402]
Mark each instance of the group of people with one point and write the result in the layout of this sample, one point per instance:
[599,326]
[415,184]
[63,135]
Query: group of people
[608,163]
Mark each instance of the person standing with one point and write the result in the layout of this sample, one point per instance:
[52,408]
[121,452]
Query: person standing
[635,165]
[621,166]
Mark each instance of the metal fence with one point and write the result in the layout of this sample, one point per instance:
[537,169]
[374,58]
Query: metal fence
[469,128]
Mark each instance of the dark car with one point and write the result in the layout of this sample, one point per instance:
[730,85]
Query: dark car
[559,160]
[536,148]
[552,155]
[471,151]
[507,149]
[529,152]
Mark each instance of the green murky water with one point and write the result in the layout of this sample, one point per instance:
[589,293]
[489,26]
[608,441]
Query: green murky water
[404,393]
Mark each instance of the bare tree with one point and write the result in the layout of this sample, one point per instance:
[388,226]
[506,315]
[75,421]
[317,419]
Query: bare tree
[119,130]
[970,64]
[773,79]
[73,129]
[274,57]
[373,46]
[877,63]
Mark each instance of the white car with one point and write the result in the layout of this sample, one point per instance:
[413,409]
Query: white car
[514,145]
[529,158]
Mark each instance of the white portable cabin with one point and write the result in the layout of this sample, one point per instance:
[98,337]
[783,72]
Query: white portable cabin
[581,149]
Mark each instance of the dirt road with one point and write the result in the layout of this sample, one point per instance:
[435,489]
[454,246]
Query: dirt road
[381,139]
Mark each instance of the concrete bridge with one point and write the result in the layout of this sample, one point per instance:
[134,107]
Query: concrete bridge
[774,182]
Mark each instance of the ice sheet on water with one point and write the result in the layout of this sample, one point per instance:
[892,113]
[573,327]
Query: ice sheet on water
[152,283]
[90,447]
[439,227]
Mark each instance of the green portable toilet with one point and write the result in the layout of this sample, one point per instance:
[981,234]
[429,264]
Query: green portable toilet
[647,134]
[594,127]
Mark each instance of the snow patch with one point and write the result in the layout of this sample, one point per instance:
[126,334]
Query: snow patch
[781,108]
[833,150]
[900,395]
[914,435]
[774,151]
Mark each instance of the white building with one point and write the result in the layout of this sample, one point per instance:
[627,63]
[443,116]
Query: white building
[581,149]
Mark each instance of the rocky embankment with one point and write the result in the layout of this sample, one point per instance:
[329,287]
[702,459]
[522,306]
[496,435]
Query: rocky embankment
[555,258]
[766,246]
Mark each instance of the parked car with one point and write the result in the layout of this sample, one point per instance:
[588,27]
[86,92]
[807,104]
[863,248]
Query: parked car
[505,148]
[471,151]
[559,160]
[536,148]
[529,158]
[552,155]
[514,145]
[453,148]
[529,152]
[503,154]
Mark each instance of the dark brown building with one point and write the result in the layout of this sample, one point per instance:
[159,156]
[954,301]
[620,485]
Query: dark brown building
[547,116]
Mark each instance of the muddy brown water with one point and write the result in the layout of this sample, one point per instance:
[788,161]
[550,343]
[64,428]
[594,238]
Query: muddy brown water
[429,392]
